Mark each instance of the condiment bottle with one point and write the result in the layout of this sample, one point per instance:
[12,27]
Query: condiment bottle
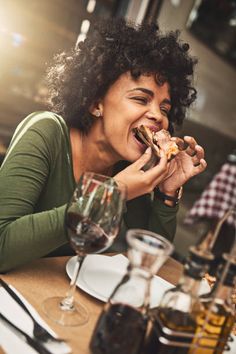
[208,247]
[216,321]
[174,320]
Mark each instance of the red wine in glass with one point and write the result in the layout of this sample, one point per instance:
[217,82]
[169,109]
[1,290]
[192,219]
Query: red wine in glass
[85,236]
[92,221]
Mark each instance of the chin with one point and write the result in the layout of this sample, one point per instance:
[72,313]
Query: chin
[133,157]
[130,154]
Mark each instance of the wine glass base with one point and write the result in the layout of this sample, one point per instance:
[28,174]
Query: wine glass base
[76,316]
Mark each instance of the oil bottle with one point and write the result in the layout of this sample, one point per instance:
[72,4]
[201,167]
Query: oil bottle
[173,323]
[215,322]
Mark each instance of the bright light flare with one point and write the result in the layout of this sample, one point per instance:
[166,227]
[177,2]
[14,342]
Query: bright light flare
[83,32]
[85,26]
[9,19]
[10,35]
[17,39]
[91,6]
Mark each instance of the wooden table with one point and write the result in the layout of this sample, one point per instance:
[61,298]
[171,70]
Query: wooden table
[47,277]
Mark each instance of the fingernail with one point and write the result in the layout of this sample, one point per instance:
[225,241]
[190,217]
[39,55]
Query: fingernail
[148,150]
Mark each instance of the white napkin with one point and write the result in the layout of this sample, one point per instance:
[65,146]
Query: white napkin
[9,341]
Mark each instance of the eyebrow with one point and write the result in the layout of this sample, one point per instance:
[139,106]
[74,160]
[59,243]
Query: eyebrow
[150,93]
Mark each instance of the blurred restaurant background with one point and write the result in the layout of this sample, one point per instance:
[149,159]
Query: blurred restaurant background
[32,31]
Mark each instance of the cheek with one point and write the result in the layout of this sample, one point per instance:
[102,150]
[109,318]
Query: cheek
[117,134]
[166,123]
[113,130]
[118,121]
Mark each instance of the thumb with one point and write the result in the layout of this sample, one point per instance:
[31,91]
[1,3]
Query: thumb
[144,158]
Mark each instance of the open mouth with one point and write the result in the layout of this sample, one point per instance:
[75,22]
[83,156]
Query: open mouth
[137,136]
[144,135]
[158,140]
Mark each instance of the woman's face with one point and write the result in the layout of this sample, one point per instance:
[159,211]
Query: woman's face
[128,104]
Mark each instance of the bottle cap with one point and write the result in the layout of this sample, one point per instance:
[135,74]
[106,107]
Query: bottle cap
[195,269]
[201,255]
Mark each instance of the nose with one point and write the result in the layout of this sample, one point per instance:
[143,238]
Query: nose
[155,114]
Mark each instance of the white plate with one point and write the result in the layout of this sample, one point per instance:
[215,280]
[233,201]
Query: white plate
[100,274]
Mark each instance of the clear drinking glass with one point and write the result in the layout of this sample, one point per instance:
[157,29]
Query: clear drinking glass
[92,221]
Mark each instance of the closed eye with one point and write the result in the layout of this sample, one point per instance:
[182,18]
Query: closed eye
[141,99]
[165,111]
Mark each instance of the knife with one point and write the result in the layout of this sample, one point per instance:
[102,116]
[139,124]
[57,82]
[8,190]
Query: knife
[24,336]
[14,296]
[53,344]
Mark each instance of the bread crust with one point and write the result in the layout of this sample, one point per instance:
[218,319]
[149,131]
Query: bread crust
[160,140]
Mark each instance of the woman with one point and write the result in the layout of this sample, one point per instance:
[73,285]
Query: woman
[119,78]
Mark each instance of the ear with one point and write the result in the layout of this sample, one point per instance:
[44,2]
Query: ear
[96,109]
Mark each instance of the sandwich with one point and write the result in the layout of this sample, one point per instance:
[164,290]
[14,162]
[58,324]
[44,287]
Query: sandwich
[160,140]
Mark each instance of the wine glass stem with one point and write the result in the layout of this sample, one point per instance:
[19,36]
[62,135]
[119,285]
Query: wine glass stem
[67,303]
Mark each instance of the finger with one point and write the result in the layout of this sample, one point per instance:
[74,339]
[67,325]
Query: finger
[158,170]
[200,167]
[162,172]
[190,150]
[199,152]
[182,145]
[198,155]
[143,159]
[190,140]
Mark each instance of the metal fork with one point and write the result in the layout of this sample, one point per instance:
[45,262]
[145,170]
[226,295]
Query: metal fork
[42,334]
[38,331]
[34,343]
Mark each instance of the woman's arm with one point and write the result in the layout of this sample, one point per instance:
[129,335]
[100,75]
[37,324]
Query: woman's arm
[162,219]
[142,211]
[154,215]
[24,233]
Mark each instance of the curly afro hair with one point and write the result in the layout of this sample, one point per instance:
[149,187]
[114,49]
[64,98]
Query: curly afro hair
[82,76]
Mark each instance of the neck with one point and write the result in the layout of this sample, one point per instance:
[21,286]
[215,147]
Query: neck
[91,153]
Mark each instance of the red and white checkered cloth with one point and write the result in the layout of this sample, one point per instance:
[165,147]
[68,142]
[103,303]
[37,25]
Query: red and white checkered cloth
[217,198]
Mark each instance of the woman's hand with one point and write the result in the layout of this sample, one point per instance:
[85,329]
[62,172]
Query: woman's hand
[186,164]
[139,182]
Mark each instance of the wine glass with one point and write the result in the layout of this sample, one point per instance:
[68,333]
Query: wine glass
[92,220]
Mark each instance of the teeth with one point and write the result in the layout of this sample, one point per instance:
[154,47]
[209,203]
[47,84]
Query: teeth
[139,139]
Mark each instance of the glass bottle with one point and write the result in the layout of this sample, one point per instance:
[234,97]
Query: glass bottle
[122,325]
[174,321]
[209,245]
[216,321]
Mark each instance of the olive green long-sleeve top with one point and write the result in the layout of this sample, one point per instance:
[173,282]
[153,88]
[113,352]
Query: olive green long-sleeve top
[36,182]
